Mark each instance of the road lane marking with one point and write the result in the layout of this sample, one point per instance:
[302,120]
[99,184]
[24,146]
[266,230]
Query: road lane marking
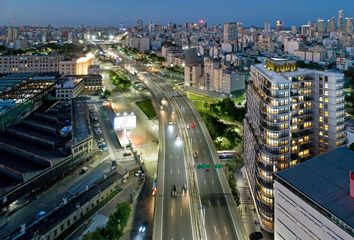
[178,171]
[212,181]
[216,233]
[177,156]
[201,140]
[218,202]
[209,203]
[171,212]
[171,171]
[170,155]
[181,211]
[204,182]
[225,230]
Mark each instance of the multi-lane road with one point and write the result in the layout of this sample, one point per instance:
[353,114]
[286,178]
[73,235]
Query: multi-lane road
[172,213]
[208,210]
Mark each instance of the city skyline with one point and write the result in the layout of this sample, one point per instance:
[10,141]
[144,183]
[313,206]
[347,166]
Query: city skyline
[111,13]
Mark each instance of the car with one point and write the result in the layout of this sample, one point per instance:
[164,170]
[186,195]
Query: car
[138,173]
[174,191]
[102,144]
[96,124]
[195,154]
[104,149]
[98,131]
[142,175]
[256,236]
[143,227]
[178,138]
[100,140]
[94,118]
[163,100]
[169,122]
[184,188]
[127,154]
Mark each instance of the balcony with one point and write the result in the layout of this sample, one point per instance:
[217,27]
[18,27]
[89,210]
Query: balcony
[265,167]
[265,183]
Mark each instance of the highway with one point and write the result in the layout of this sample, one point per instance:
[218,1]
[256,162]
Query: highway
[172,214]
[208,211]
[217,206]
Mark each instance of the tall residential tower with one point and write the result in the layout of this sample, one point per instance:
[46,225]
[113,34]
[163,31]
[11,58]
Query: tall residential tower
[292,115]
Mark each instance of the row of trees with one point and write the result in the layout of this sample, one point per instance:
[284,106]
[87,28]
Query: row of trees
[227,108]
[350,97]
[225,137]
[120,80]
[115,226]
[67,49]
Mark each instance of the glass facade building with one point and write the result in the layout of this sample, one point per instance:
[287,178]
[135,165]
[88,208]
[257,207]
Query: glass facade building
[292,115]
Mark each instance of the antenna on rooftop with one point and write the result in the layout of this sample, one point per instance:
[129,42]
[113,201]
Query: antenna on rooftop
[14,18]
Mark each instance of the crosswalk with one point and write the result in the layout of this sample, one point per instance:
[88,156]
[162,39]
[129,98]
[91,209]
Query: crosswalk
[150,157]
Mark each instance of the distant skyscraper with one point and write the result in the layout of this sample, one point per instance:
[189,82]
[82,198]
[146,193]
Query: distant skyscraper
[349,25]
[230,32]
[267,26]
[294,29]
[139,24]
[320,26]
[331,25]
[292,115]
[305,30]
[341,26]
[279,25]
[11,34]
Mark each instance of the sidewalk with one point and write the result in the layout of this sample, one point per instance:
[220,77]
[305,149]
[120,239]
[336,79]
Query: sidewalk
[246,208]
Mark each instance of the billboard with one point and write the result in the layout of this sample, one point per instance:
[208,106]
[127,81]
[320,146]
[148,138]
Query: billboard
[124,121]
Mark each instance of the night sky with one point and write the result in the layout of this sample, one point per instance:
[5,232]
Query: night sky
[114,12]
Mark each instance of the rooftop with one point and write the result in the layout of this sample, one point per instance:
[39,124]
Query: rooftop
[69,82]
[324,180]
[81,129]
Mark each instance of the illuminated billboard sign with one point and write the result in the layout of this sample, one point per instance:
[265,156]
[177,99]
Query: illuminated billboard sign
[124,121]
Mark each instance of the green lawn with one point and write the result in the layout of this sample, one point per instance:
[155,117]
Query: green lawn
[201,98]
[239,99]
[147,108]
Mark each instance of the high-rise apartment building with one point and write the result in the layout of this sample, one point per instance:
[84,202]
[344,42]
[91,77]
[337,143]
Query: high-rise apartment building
[230,32]
[341,25]
[292,115]
[349,25]
[11,34]
[320,26]
[331,26]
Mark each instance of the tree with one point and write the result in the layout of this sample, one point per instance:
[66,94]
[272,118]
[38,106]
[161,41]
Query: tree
[227,106]
[115,225]
[205,104]
[351,146]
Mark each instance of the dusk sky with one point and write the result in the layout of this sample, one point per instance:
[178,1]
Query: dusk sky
[113,12]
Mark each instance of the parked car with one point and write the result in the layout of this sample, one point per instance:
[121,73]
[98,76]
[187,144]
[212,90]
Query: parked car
[98,131]
[127,154]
